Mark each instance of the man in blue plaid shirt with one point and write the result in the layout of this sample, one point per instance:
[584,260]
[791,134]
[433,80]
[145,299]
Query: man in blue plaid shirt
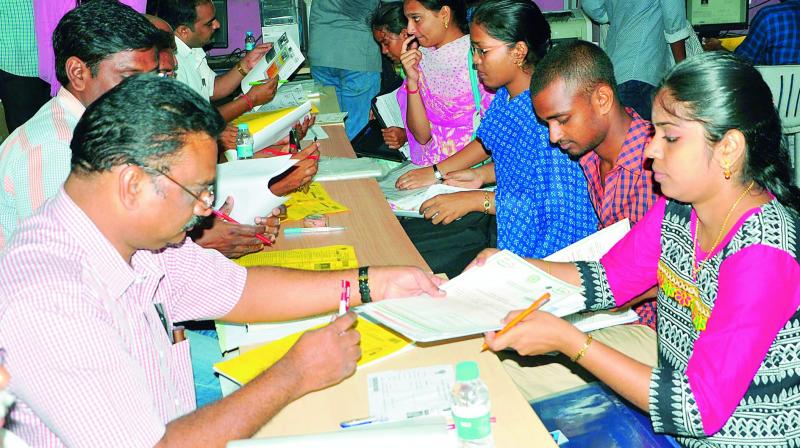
[773,38]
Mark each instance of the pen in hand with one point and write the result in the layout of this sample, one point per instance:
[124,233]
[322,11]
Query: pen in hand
[225,217]
[533,307]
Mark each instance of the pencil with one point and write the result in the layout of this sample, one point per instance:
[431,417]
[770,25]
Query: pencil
[284,153]
[225,217]
[534,306]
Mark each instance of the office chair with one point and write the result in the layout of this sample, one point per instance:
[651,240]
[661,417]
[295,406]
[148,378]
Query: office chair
[784,82]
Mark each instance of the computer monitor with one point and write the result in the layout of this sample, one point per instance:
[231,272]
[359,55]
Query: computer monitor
[220,37]
[714,16]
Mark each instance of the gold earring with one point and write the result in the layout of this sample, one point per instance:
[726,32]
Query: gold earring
[520,63]
[446,25]
[726,166]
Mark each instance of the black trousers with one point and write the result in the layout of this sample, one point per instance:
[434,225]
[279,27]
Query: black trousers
[450,248]
[22,96]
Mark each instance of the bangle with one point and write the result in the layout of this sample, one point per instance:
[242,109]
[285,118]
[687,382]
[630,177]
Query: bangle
[583,350]
[363,284]
[241,69]
[411,92]
[247,100]
[486,204]
[437,174]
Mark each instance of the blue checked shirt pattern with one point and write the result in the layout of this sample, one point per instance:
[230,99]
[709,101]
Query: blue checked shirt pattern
[774,35]
[18,54]
[542,200]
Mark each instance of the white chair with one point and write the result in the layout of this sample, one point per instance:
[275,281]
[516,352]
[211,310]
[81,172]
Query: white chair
[784,82]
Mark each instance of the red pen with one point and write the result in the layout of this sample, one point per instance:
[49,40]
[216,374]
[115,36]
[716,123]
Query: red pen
[225,217]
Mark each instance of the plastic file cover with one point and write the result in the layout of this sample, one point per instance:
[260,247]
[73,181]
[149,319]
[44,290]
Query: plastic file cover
[344,168]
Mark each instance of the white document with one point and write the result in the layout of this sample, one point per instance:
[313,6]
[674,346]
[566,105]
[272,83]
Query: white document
[477,301]
[389,110]
[593,246]
[410,393]
[280,128]
[418,433]
[287,96]
[407,202]
[248,182]
[343,168]
[331,118]
[281,61]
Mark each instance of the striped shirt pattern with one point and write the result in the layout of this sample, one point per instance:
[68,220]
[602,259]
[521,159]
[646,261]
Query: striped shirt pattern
[774,35]
[639,34]
[89,356]
[35,160]
[627,190]
[18,53]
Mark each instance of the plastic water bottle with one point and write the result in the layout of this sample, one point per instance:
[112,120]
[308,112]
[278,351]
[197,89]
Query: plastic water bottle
[249,41]
[244,142]
[471,407]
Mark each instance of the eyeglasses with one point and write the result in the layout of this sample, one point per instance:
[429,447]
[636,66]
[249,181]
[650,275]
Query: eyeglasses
[205,197]
[482,51]
[169,74]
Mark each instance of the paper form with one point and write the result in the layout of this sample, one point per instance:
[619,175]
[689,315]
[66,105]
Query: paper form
[287,96]
[316,201]
[410,393]
[247,181]
[376,343]
[280,61]
[389,109]
[326,258]
[592,248]
[477,301]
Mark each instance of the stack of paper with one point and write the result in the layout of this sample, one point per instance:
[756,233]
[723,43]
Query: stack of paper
[280,61]
[269,127]
[376,343]
[343,168]
[387,110]
[247,181]
[477,301]
[316,201]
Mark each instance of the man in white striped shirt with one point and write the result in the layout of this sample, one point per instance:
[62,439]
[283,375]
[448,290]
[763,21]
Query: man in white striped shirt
[91,282]
[641,33]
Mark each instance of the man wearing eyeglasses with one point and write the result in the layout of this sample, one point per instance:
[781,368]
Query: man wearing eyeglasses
[106,261]
[96,46]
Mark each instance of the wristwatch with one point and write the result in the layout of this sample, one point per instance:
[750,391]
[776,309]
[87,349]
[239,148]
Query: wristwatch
[437,174]
[486,204]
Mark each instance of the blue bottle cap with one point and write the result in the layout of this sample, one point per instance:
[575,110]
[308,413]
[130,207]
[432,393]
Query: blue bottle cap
[244,126]
[467,371]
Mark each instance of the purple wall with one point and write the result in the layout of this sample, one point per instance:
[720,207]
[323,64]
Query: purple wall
[245,15]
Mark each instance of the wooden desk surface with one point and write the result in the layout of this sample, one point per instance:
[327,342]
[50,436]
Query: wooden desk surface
[371,227]
[517,423]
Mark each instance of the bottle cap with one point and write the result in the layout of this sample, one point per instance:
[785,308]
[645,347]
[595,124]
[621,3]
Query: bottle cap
[244,126]
[467,371]
[249,33]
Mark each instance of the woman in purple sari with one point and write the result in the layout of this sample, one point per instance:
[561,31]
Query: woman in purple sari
[439,96]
